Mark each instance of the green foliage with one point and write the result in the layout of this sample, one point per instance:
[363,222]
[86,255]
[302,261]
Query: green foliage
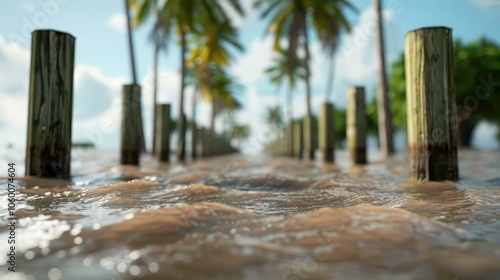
[473,63]
[274,118]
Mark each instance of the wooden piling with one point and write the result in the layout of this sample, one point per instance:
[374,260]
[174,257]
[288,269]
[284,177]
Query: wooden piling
[162,149]
[48,147]
[326,132]
[431,105]
[131,125]
[289,138]
[298,140]
[309,145]
[194,140]
[356,125]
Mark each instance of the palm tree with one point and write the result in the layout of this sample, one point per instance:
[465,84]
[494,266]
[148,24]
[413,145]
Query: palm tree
[183,16]
[280,71]
[274,119]
[220,91]
[330,42]
[383,109]
[293,19]
[133,69]
[211,49]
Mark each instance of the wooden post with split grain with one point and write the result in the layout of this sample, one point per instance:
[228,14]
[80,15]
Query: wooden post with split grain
[162,149]
[48,147]
[131,125]
[431,105]
[356,125]
[326,132]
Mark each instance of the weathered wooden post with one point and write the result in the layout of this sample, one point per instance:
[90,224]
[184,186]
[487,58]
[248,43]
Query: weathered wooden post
[308,137]
[356,125]
[298,140]
[326,132]
[131,125]
[289,135]
[194,140]
[50,111]
[431,105]
[204,141]
[162,149]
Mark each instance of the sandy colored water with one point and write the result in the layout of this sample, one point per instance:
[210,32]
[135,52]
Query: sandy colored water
[255,217]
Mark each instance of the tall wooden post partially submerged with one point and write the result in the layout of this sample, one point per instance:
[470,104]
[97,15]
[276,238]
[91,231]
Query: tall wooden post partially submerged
[356,125]
[131,125]
[431,105]
[298,140]
[326,132]
[162,149]
[309,145]
[48,148]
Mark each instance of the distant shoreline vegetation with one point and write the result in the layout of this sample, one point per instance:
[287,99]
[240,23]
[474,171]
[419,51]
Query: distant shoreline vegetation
[83,145]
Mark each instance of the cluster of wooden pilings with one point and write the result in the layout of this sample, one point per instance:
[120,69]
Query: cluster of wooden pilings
[50,114]
[291,142]
[431,110]
[431,107]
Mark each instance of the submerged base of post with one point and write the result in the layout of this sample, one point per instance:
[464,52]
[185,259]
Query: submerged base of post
[163,132]
[326,132]
[131,127]
[356,125]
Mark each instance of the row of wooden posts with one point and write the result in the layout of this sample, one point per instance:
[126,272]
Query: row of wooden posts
[50,114]
[431,109]
[205,143]
[291,142]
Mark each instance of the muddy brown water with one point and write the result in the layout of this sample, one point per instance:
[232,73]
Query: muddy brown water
[254,217]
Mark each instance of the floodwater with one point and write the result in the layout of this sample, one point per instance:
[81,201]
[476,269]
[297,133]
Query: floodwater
[255,217]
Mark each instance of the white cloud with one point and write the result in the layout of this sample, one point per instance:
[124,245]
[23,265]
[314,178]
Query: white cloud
[249,68]
[13,92]
[118,22]
[356,58]
[29,7]
[251,14]
[485,136]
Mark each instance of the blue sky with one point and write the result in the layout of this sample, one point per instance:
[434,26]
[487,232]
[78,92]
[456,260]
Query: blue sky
[102,65]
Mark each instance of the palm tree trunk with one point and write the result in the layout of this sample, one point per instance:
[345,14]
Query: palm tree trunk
[329,82]
[133,69]
[155,92]
[181,147]
[308,129]
[130,44]
[384,111]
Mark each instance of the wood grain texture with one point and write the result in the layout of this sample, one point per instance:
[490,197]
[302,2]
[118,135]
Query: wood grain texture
[162,150]
[431,105]
[326,132]
[131,125]
[356,125]
[50,110]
